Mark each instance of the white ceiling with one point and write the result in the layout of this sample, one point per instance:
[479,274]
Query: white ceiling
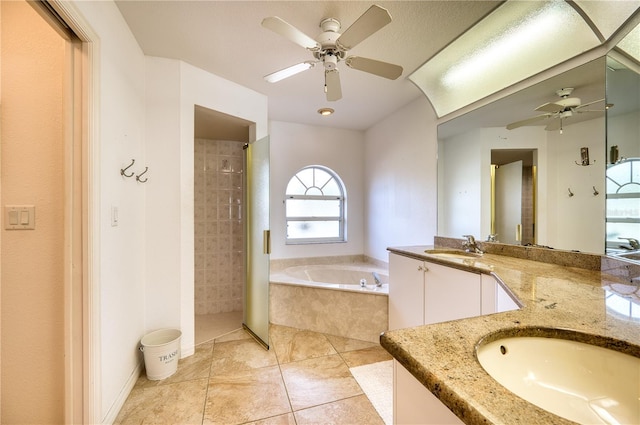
[227,39]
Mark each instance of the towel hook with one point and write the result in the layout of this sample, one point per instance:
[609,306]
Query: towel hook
[123,170]
[141,174]
[570,192]
[595,191]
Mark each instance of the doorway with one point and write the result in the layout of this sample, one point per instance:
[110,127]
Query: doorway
[513,195]
[219,220]
[44,194]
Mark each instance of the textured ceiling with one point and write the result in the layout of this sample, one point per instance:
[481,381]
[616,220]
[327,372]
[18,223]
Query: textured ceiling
[227,39]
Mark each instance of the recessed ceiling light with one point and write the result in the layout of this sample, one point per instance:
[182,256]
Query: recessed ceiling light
[325,111]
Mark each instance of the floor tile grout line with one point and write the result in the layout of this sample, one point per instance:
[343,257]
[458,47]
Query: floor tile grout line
[286,390]
[343,354]
[206,393]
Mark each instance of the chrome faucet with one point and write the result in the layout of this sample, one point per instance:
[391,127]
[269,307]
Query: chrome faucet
[633,242]
[376,278]
[470,245]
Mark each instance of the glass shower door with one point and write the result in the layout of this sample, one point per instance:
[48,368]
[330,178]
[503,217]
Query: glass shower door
[257,240]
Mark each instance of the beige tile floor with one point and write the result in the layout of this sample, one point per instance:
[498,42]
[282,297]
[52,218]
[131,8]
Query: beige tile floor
[210,326]
[303,379]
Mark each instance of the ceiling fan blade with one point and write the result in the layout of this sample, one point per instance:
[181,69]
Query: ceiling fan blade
[290,32]
[590,103]
[382,69]
[274,77]
[550,107]
[369,22]
[528,121]
[332,85]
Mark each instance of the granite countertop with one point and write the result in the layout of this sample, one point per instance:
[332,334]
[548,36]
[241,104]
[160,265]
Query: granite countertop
[442,356]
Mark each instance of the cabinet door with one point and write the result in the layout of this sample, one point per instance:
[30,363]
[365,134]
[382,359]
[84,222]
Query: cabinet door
[450,294]
[406,292]
[413,403]
[495,298]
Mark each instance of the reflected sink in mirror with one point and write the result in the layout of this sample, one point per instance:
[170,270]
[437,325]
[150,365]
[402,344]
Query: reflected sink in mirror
[633,255]
[452,253]
[581,382]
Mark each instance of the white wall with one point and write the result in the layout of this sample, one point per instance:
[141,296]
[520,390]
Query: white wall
[174,88]
[400,180]
[294,146]
[624,131]
[577,222]
[145,264]
[119,274]
[460,186]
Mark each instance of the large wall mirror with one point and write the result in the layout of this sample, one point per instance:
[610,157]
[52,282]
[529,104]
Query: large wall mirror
[555,196]
[623,149]
[567,180]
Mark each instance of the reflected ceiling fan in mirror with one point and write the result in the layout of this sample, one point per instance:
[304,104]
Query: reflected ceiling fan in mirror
[560,112]
[331,47]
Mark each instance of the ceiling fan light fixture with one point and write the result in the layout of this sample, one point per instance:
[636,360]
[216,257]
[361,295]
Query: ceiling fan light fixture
[325,111]
[288,72]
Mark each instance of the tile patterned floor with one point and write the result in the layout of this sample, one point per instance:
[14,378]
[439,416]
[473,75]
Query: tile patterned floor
[211,326]
[303,379]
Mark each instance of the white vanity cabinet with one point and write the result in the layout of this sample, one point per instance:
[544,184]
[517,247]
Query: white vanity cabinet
[420,293]
[423,293]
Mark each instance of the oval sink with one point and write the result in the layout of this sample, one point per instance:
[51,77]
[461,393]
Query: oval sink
[577,381]
[452,253]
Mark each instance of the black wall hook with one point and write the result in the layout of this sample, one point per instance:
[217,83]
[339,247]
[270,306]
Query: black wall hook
[123,170]
[141,174]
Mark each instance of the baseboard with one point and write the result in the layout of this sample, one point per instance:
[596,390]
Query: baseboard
[115,408]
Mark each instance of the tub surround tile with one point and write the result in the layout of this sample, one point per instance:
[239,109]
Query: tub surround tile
[245,396]
[317,381]
[278,265]
[178,403]
[353,315]
[354,410]
[442,356]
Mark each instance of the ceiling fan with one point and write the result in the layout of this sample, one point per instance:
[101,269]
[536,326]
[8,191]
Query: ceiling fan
[559,111]
[331,46]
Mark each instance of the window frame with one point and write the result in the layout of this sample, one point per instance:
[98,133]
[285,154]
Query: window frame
[339,219]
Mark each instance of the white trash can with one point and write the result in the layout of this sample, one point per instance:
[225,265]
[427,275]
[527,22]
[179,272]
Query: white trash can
[161,351]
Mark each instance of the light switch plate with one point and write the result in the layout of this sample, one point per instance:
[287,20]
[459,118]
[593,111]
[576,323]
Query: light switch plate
[19,217]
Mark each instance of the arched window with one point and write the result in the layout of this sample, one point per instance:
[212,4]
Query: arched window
[315,206]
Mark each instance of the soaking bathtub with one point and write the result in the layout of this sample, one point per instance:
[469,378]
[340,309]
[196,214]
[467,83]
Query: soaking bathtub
[328,298]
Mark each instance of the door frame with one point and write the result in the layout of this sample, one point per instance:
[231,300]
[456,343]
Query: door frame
[82,303]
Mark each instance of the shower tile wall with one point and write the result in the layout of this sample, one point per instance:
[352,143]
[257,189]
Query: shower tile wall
[528,231]
[219,243]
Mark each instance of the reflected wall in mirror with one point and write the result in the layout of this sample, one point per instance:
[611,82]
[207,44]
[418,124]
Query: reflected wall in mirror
[623,145]
[569,214]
